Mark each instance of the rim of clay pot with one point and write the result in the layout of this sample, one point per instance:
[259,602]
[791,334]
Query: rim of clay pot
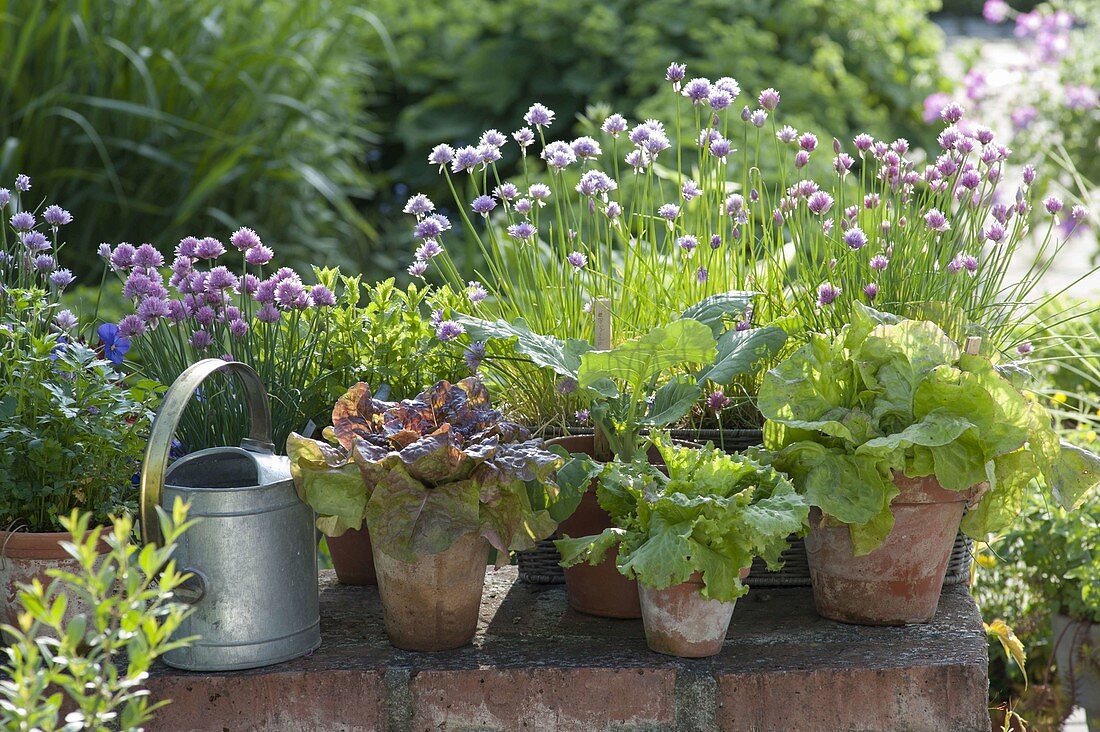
[40,545]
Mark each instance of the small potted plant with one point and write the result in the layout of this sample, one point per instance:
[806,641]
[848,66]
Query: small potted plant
[892,434]
[645,383]
[71,430]
[438,480]
[689,537]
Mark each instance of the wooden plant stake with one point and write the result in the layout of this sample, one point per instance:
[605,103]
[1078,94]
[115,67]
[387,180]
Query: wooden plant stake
[972,345]
[601,314]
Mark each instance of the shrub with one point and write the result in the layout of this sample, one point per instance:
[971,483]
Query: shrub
[155,116]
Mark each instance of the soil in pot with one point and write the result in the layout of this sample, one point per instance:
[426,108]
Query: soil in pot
[352,557]
[1077,653]
[27,556]
[432,604]
[899,582]
[680,622]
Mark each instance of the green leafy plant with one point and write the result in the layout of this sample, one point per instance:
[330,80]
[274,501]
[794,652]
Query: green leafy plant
[425,471]
[888,395]
[713,513]
[651,381]
[89,672]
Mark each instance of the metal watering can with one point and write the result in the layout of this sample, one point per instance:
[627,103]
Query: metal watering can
[252,553]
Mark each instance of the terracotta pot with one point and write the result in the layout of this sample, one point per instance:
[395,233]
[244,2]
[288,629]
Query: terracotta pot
[596,590]
[680,622]
[899,582]
[432,604]
[352,557]
[27,556]
[1077,653]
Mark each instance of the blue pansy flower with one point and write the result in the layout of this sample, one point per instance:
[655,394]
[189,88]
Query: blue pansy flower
[114,346]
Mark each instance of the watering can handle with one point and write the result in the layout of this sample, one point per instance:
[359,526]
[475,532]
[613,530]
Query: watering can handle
[171,410]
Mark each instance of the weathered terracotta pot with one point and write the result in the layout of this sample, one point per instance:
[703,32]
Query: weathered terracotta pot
[352,557]
[680,622]
[27,556]
[1077,653]
[899,582]
[432,604]
[596,590]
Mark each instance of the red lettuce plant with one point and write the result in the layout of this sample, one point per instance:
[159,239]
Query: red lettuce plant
[424,471]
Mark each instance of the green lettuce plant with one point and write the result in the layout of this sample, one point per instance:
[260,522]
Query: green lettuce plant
[425,471]
[651,381]
[712,513]
[888,396]
[90,672]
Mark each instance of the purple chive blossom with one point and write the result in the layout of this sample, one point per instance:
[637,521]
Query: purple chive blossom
[466,158]
[577,259]
[970,179]
[476,291]
[1052,204]
[147,256]
[614,125]
[238,328]
[205,315]
[201,340]
[613,210]
[697,90]
[419,205]
[582,416]
[1024,348]
[690,189]
[879,262]
[936,221]
[688,243]
[56,216]
[417,268]
[717,400]
[768,99]
[522,231]
[220,278]
[716,239]
[488,154]
[720,148]
[951,113]
[855,238]
[288,292]
[132,326]
[22,221]
[428,250]
[524,137]
[22,183]
[735,203]
[248,285]
[808,142]
[539,191]
[483,205]
[559,155]
[258,255]
[65,320]
[431,227]
[719,100]
[969,263]
[801,159]
[668,211]
[44,263]
[5,197]
[35,242]
[787,134]
[746,113]
[701,275]
[523,206]
[637,160]
[539,116]
[152,309]
[995,232]
[506,191]
[758,118]
[863,142]
[1029,174]
[209,248]
[820,202]
[245,238]
[1079,213]
[871,200]
[675,73]
[62,278]
[493,138]
[827,294]
[269,314]
[474,355]
[441,155]
[843,163]
[595,182]
[567,385]
[729,85]
[586,148]
[322,296]
[871,291]
[448,330]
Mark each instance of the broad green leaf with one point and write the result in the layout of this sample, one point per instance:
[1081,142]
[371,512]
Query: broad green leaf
[935,429]
[960,465]
[1005,499]
[672,402]
[636,362]
[739,351]
[591,549]
[564,357]
[812,389]
[716,310]
[664,558]
[850,488]
[329,483]
[869,536]
[573,480]
[721,572]
[1074,475]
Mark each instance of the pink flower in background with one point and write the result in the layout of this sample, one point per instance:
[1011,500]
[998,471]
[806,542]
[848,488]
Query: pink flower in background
[995,11]
[934,104]
[1081,97]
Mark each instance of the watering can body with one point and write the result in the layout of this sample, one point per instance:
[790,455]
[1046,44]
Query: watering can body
[252,551]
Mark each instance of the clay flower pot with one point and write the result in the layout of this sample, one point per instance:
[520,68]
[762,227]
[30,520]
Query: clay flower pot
[680,622]
[1077,653]
[352,557]
[432,604]
[899,582]
[27,556]
[596,590]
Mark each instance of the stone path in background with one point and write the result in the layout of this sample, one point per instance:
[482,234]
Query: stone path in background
[1000,55]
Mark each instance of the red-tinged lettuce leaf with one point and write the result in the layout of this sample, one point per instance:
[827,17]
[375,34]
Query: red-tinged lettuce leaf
[526,461]
[357,415]
[510,523]
[437,458]
[329,482]
[407,519]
